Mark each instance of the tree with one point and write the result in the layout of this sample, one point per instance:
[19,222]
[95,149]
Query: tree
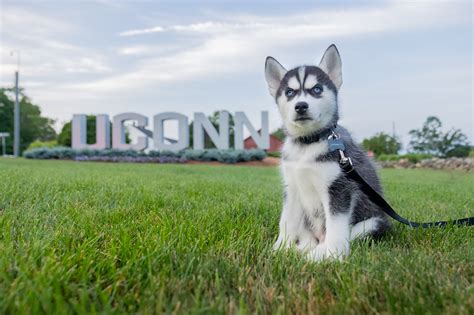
[33,126]
[279,134]
[65,136]
[382,143]
[430,139]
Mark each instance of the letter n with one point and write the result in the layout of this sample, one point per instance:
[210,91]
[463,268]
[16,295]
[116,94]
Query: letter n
[201,123]
[262,139]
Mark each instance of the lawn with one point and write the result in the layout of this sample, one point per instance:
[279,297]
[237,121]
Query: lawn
[126,238]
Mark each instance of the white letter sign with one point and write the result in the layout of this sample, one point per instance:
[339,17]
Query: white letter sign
[118,132]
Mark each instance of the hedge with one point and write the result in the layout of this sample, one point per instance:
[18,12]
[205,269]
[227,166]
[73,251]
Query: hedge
[412,157]
[115,155]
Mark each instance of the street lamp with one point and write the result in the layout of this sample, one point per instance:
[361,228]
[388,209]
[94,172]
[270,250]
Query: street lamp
[3,136]
[16,115]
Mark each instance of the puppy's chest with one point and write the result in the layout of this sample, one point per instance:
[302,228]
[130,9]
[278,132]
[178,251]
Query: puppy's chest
[307,178]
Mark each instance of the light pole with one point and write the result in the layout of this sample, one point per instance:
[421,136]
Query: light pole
[16,115]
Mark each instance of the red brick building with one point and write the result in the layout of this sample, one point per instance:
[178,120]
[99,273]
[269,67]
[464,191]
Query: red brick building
[275,144]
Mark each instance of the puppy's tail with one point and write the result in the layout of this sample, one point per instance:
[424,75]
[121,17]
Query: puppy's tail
[371,227]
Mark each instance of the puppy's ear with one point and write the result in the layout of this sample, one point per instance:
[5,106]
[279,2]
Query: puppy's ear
[332,65]
[274,73]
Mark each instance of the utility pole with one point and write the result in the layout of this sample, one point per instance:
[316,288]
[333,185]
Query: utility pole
[16,112]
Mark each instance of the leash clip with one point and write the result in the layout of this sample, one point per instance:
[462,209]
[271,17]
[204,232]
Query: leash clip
[333,135]
[345,162]
[336,144]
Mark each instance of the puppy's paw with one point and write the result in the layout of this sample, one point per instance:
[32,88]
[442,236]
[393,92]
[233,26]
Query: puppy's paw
[338,252]
[306,244]
[318,253]
[325,252]
[279,244]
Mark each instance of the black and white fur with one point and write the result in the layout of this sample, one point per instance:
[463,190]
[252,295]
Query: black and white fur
[323,211]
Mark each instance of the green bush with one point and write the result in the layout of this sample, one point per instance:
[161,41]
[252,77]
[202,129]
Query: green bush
[412,157]
[224,156]
[62,153]
[459,151]
[258,154]
[165,154]
[382,143]
[388,157]
[276,154]
[195,155]
[417,157]
[227,156]
[42,144]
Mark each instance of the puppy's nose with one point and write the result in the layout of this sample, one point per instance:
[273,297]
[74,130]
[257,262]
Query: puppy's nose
[301,107]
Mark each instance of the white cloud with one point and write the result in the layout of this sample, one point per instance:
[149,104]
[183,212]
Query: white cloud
[156,29]
[44,51]
[134,50]
[108,73]
[155,50]
[26,24]
[333,22]
[242,42]
[202,27]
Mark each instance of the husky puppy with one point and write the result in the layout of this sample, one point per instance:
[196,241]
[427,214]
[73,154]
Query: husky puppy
[323,210]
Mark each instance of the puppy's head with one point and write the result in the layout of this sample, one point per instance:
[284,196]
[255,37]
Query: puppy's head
[307,95]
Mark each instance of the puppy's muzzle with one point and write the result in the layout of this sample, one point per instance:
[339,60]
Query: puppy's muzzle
[301,108]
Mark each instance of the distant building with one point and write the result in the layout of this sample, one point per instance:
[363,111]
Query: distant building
[275,144]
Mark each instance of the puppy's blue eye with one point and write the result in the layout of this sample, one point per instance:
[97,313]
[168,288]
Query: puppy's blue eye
[290,92]
[317,89]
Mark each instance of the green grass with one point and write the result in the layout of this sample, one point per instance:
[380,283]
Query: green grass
[123,238]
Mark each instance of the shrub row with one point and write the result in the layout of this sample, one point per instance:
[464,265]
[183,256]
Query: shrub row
[225,156]
[411,157]
[114,155]
[42,144]
[131,159]
[464,164]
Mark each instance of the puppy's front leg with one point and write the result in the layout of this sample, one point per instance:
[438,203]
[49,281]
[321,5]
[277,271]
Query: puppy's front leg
[291,222]
[336,244]
[337,235]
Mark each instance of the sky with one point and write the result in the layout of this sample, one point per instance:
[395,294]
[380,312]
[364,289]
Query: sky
[402,60]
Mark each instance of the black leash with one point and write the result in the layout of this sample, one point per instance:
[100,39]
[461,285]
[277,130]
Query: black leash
[336,143]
